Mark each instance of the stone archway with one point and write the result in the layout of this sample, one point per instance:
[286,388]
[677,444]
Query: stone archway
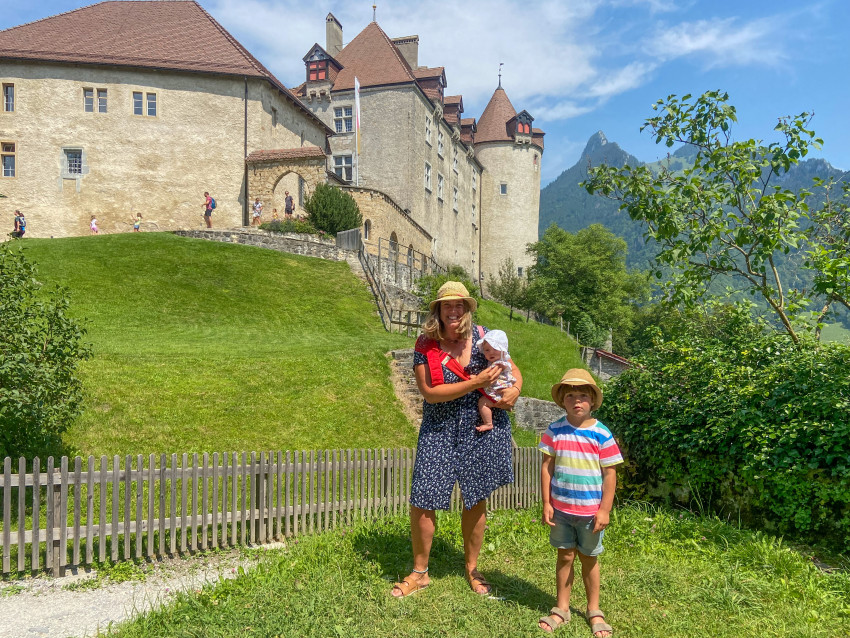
[272,173]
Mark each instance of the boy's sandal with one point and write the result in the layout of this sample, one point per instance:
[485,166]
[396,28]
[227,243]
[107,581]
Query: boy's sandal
[557,612]
[476,580]
[597,627]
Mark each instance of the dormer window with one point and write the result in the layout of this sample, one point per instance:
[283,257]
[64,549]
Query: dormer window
[317,70]
[523,123]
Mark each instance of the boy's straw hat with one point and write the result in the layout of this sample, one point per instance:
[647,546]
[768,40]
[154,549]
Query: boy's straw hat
[577,377]
[454,290]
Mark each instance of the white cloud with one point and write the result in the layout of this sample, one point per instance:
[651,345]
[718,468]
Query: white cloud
[629,77]
[719,42]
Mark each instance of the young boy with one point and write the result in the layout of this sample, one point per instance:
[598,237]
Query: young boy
[578,480]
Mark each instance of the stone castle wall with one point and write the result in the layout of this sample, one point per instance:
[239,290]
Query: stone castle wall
[509,222]
[292,243]
[158,165]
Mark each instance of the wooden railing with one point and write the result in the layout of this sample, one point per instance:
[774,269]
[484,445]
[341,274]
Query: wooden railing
[87,510]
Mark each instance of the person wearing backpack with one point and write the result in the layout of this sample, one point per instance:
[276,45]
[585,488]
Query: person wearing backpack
[20,225]
[209,205]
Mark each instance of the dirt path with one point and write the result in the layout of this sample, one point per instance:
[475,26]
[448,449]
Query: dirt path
[65,607]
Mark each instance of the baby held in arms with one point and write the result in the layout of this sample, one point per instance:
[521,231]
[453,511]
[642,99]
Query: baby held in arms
[494,347]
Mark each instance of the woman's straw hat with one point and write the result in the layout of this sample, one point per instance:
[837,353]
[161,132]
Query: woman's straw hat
[577,377]
[454,290]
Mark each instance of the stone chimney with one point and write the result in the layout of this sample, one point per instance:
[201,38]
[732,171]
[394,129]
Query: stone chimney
[408,46]
[333,35]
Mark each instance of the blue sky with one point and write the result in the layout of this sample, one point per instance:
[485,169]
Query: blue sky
[579,66]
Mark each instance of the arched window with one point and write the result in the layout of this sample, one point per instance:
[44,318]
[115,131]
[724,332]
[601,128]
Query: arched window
[410,255]
[393,247]
[367,229]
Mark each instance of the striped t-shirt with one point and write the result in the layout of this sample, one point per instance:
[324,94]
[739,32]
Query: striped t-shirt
[580,454]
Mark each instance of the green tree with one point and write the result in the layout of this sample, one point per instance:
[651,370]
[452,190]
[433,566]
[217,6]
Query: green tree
[41,347]
[585,275]
[332,210]
[725,214]
[427,286]
[509,287]
[829,250]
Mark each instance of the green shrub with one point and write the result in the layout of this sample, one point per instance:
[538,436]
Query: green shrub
[732,413]
[332,210]
[290,226]
[40,394]
[427,286]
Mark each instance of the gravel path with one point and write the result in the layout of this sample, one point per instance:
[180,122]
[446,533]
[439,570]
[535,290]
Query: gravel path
[59,608]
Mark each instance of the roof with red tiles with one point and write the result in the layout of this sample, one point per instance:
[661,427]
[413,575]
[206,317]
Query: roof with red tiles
[491,124]
[303,152]
[178,35]
[424,72]
[374,59]
[453,99]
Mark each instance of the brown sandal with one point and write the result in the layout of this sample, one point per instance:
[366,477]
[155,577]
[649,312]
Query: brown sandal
[476,580]
[409,586]
[598,627]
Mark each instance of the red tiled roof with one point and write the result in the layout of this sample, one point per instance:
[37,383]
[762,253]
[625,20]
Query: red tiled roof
[373,59]
[424,72]
[304,152]
[177,35]
[453,99]
[467,121]
[537,137]
[491,124]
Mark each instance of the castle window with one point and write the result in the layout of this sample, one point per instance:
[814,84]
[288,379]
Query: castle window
[454,199]
[101,100]
[88,100]
[73,162]
[428,129]
[427,177]
[367,229]
[473,215]
[9,98]
[7,157]
[503,189]
[440,187]
[343,119]
[139,104]
[274,117]
[343,167]
[317,70]
[440,143]
[454,159]
[474,180]
[519,271]
[536,162]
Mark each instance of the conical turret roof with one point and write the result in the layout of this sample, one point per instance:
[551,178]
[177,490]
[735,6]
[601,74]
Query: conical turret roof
[492,123]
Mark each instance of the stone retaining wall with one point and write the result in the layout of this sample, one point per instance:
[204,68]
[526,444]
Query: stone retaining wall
[536,414]
[293,243]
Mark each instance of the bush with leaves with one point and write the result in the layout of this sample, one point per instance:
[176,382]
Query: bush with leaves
[332,210]
[427,286]
[732,412]
[509,288]
[290,226]
[40,349]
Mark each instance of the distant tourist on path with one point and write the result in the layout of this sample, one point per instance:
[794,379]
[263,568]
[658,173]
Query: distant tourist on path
[274,214]
[494,347]
[578,481]
[137,223]
[93,226]
[289,206]
[209,204]
[20,225]
[450,369]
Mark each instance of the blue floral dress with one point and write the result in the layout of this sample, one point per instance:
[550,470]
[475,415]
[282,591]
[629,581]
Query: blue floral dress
[451,450]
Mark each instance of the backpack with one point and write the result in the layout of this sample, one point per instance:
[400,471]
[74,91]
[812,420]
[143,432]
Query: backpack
[212,203]
[22,223]
[437,358]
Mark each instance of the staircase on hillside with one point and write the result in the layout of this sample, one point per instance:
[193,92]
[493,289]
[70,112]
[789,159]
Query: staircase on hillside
[404,384]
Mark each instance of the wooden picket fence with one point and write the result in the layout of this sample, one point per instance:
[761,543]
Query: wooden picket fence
[138,507]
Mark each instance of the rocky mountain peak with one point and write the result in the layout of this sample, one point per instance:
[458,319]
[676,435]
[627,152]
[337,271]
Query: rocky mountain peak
[594,144]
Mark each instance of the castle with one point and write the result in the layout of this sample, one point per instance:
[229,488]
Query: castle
[126,107]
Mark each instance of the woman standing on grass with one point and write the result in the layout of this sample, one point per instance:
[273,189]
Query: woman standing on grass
[449,370]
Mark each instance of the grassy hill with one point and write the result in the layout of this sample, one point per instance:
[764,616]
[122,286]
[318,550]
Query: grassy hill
[202,346]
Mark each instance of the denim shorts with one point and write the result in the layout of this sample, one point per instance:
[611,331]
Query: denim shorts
[575,531]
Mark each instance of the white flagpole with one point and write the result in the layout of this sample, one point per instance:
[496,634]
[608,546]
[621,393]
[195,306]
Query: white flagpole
[357,131]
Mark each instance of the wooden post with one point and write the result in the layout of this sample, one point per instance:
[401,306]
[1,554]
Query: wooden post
[57,567]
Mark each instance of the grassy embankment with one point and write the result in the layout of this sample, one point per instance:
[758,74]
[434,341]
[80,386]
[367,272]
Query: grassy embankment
[202,346]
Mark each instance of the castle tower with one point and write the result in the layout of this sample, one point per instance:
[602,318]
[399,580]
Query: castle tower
[510,151]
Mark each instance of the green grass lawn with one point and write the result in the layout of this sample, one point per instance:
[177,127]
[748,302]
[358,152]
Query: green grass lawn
[202,346]
[663,574]
[835,332]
